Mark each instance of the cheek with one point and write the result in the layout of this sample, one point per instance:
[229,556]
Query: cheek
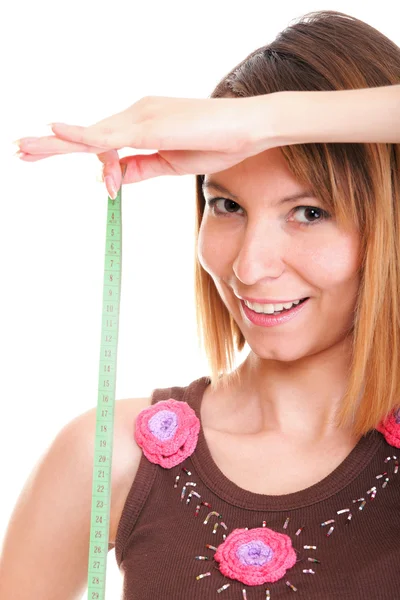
[212,250]
[203,248]
[326,260]
[332,261]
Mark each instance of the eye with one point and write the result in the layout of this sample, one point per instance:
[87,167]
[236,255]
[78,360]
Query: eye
[228,204]
[314,213]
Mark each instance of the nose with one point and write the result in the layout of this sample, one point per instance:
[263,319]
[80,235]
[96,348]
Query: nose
[262,254]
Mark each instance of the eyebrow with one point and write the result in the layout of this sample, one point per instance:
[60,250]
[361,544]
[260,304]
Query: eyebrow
[223,190]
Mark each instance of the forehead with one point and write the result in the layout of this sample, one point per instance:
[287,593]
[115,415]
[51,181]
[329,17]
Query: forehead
[268,166]
[265,174]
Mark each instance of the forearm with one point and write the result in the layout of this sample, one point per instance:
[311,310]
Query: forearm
[362,115]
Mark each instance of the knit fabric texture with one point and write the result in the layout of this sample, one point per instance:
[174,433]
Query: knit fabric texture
[167,432]
[187,531]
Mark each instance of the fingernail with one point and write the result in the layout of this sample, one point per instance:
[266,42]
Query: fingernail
[123,169]
[60,126]
[26,141]
[111,187]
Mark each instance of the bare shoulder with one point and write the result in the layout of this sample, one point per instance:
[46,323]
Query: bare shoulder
[126,453]
[55,505]
[126,456]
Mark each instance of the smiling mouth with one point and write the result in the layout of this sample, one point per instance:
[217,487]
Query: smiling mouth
[276,318]
[277,312]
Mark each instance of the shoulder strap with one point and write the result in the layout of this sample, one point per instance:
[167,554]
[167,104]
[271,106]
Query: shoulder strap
[142,484]
[175,392]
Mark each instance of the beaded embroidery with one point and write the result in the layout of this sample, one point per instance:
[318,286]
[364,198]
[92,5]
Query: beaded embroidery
[241,561]
[168,434]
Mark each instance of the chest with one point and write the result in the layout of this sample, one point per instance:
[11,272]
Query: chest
[265,465]
[353,562]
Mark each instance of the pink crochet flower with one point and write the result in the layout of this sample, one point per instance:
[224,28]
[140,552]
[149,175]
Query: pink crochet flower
[255,556]
[390,427]
[167,432]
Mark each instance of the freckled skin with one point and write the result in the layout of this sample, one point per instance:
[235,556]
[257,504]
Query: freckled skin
[260,249]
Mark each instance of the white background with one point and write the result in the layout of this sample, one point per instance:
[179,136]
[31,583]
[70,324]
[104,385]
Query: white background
[79,62]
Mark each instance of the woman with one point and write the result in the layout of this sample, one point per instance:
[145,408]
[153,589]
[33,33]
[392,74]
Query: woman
[281,475]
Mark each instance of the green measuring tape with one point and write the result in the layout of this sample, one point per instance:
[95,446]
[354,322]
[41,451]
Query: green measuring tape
[101,489]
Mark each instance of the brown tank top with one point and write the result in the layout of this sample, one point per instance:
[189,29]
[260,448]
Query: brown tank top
[339,538]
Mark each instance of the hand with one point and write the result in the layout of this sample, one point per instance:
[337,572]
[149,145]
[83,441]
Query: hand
[195,136]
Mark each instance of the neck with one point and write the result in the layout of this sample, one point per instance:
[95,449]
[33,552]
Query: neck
[296,400]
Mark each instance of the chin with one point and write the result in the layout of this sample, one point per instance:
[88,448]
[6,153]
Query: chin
[286,357]
[285,352]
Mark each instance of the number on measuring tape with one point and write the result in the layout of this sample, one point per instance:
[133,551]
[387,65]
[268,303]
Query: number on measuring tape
[102,463]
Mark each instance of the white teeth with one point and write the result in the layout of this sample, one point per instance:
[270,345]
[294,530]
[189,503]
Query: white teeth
[270,308]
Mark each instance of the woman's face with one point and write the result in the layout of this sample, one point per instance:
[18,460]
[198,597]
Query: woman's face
[261,247]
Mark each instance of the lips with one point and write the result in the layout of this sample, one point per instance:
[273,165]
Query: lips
[269,320]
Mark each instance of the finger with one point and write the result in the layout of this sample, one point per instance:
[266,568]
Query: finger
[53,145]
[104,157]
[141,167]
[110,157]
[146,135]
[117,133]
[111,168]
[33,157]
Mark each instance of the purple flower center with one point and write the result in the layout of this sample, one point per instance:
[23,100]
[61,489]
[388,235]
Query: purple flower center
[163,424]
[254,553]
[397,416]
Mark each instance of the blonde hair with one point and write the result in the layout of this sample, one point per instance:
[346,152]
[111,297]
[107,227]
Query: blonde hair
[359,183]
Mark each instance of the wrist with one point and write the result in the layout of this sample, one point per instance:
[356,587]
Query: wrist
[270,123]
[289,113]
[302,117]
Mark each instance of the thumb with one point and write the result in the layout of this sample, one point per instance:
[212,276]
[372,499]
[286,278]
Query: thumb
[143,166]
[132,169]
